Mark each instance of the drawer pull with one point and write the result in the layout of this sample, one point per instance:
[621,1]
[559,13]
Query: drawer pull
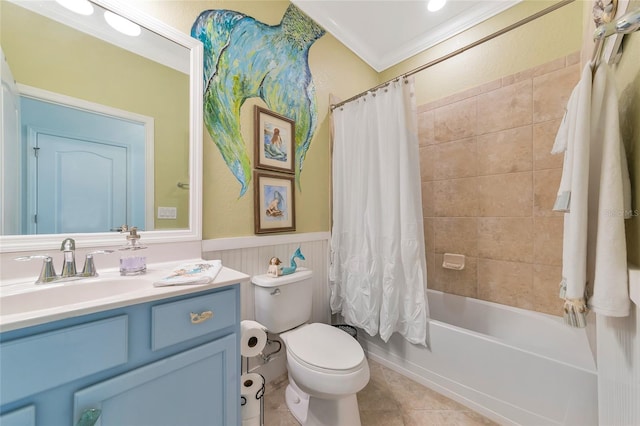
[202,317]
[89,417]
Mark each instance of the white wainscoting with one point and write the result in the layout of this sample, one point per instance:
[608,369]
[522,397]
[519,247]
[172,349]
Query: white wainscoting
[251,255]
[619,369]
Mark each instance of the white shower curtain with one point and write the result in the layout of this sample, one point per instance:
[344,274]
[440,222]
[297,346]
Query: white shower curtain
[378,266]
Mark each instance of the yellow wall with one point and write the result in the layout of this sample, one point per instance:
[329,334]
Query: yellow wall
[335,70]
[74,69]
[338,71]
[540,41]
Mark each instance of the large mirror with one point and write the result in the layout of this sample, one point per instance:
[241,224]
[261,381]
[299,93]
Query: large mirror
[100,128]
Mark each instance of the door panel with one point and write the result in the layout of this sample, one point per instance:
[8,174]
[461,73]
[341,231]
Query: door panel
[82,185]
[76,165]
[22,417]
[190,388]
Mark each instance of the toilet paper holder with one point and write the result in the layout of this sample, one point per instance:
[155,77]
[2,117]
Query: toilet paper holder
[259,394]
[267,357]
[249,383]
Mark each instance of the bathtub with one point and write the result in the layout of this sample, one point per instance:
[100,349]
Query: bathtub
[511,365]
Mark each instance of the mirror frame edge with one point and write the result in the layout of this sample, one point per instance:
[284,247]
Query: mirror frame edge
[18,243]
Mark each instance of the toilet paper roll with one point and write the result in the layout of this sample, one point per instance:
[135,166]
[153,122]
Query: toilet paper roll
[251,390]
[253,338]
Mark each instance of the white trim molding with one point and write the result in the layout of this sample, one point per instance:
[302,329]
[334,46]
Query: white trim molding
[261,241]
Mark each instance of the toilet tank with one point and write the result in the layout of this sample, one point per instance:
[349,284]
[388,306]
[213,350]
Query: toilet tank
[284,302]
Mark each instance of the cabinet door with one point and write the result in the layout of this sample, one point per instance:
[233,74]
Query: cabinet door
[196,387]
[23,417]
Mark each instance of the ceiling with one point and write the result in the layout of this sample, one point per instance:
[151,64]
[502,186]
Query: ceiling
[148,44]
[386,32]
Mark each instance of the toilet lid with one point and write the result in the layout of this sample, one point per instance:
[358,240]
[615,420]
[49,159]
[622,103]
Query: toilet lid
[325,346]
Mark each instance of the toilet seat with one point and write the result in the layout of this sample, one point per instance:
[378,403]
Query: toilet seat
[325,348]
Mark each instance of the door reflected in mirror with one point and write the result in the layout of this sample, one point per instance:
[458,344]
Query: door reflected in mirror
[79,64]
[85,168]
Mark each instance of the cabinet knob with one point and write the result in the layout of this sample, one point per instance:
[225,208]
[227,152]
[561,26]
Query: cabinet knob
[201,317]
[89,417]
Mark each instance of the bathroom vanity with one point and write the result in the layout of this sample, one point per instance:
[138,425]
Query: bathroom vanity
[141,355]
[150,356]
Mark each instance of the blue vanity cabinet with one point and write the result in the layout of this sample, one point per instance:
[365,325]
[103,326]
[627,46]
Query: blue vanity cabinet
[167,362]
[25,416]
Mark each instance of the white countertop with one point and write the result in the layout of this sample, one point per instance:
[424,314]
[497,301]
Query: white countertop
[59,300]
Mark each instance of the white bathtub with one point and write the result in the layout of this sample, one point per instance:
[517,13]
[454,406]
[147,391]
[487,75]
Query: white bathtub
[512,365]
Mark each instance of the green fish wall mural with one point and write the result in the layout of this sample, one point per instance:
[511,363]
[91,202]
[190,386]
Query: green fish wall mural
[245,58]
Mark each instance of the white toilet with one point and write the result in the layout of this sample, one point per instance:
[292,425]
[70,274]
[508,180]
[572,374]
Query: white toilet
[326,366]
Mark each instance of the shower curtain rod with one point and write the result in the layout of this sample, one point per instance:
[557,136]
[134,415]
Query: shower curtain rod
[461,50]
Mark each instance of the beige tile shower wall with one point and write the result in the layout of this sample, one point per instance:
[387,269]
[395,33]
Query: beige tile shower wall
[489,182]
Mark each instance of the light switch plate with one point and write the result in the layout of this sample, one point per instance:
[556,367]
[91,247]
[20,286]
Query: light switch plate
[167,212]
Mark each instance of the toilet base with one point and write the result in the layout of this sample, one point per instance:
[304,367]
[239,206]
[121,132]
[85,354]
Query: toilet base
[312,411]
[297,402]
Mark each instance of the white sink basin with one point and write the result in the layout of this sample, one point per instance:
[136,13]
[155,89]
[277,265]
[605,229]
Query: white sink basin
[26,304]
[60,294]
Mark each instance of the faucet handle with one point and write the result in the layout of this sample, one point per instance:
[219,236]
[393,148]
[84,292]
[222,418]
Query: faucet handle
[48,271]
[89,269]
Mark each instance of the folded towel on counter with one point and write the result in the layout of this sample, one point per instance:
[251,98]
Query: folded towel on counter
[192,273]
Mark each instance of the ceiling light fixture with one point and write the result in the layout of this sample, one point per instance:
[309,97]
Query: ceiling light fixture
[121,24]
[81,7]
[435,5]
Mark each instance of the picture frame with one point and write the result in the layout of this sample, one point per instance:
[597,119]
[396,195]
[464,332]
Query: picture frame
[274,141]
[274,203]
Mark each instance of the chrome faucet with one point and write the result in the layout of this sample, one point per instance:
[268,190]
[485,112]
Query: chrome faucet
[48,271]
[69,272]
[68,247]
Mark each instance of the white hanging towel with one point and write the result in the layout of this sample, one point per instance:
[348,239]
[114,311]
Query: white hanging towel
[573,139]
[594,247]
[611,280]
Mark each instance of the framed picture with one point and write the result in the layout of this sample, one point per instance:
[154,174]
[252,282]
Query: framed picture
[274,141]
[274,203]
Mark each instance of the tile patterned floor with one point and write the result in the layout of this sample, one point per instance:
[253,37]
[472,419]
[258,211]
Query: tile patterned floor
[389,399]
